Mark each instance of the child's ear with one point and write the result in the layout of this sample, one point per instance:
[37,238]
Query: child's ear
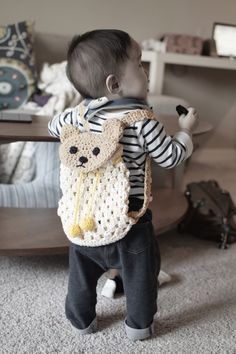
[67,131]
[112,84]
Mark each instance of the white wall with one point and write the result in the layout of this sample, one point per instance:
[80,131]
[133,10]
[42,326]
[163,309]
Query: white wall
[142,19]
[212,92]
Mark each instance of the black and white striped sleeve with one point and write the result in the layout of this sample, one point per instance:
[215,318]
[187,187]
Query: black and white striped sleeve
[165,151]
[69,116]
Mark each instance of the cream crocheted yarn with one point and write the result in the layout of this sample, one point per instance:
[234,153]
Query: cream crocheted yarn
[95,183]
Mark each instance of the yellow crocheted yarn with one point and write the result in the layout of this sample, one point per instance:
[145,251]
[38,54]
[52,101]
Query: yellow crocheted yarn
[88,224]
[75,231]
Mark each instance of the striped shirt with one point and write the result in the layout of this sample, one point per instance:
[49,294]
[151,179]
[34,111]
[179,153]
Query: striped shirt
[139,139]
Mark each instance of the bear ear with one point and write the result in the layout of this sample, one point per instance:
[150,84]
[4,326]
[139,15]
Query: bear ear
[113,128]
[67,131]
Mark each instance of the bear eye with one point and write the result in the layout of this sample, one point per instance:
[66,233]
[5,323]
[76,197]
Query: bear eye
[96,151]
[73,150]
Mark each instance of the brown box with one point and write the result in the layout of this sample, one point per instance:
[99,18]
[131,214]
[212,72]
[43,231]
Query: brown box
[178,43]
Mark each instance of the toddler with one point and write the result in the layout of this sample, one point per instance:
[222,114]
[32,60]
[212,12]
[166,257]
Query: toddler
[105,67]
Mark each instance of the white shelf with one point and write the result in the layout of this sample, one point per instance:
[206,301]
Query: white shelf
[197,60]
[159,60]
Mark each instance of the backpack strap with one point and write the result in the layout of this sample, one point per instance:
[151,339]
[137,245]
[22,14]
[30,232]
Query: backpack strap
[147,191]
[129,119]
[137,115]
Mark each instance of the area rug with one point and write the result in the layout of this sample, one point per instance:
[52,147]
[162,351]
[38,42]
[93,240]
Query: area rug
[196,310]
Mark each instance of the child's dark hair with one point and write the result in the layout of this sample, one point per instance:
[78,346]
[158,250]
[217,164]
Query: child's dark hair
[93,56]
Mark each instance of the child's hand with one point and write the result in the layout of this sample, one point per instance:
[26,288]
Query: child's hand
[189,121]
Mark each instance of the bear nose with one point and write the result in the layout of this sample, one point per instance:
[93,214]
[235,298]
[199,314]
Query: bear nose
[83,159]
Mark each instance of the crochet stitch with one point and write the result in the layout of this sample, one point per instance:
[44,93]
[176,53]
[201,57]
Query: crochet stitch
[95,183]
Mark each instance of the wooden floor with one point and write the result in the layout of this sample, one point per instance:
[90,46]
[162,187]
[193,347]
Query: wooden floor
[39,232]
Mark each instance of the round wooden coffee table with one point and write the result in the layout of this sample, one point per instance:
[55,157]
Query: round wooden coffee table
[169,207]
[172,126]
[34,231]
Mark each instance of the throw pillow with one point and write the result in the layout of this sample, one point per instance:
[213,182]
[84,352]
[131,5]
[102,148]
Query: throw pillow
[17,64]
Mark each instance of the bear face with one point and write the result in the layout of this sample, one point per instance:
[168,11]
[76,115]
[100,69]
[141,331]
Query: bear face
[87,151]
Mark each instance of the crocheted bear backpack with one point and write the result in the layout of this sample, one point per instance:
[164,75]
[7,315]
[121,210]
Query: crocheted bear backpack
[95,182]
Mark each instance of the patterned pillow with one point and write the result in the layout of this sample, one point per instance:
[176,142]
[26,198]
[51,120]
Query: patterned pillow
[17,64]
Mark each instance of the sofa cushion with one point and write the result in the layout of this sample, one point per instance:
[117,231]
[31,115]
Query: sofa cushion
[44,190]
[17,64]
[17,162]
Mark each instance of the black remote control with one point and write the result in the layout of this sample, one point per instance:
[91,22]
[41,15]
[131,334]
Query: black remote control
[181,110]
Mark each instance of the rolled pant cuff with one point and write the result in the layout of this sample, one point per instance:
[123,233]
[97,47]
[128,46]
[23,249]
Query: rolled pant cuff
[139,334]
[88,330]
